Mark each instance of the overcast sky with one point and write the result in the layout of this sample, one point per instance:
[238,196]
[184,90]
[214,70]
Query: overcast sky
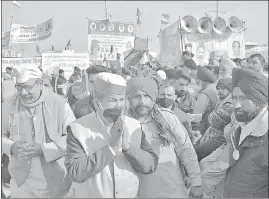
[70,23]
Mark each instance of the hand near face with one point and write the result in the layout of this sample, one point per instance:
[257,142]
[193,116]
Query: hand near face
[116,132]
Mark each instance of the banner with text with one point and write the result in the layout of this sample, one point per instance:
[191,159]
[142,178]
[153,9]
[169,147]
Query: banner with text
[204,44]
[30,34]
[107,38]
[170,45]
[66,61]
[19,61]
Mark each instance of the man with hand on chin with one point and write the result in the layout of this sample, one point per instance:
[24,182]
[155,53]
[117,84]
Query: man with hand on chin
[106,151]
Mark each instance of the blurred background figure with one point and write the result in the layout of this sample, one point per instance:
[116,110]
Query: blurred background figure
[76,76]
[61,84]
[8,86]
[76,91]
[256,62]
[237,61]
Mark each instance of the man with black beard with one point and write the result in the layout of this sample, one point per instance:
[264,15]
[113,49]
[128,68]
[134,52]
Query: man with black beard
[247,176]
[184,101]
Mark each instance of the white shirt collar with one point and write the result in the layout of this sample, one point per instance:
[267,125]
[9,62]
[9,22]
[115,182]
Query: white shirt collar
[257,127]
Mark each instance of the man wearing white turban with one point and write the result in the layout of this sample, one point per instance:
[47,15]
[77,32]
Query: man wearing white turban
[106,151]
[33,135]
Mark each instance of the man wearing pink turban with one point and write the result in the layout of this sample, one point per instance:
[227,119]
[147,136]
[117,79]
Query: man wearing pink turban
[168,138]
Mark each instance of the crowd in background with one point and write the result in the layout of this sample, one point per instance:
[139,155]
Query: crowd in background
[205,101]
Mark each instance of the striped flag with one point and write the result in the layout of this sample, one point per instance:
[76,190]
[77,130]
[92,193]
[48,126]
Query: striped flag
[166,19]
[68,45]
[38,50]
[17,4]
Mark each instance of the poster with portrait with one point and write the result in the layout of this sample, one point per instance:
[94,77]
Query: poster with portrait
[107,38]
[203,44]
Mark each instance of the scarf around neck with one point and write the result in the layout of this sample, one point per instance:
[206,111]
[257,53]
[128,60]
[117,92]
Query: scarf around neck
[46,112]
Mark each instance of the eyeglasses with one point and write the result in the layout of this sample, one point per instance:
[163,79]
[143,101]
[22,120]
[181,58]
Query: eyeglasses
[19,87]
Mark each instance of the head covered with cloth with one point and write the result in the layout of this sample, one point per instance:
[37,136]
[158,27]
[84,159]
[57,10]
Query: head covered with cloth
[29,82]
[142,93]
[250,93]
[109,95]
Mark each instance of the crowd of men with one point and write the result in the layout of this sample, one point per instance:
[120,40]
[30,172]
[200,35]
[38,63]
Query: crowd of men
[170,132]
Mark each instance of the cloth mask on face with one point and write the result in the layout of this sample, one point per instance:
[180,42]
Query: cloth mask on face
[112,113]
[165,102]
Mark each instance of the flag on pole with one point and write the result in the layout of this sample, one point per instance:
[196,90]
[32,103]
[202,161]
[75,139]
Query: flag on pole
[111,49]
[38,50]
[17,4]
[138,13]
[52,48]
[166,19]
[68,45]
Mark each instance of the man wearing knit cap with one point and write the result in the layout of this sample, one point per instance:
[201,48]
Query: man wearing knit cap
[207,98]
[106,151]
[168,138]
[218,119]
[225,70]
[247,175]
[34,137]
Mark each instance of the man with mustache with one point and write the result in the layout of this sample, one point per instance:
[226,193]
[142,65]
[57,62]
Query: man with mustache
[168,138]
[184,101]
[34,137]
[218,119]
[106,151]
[247,175]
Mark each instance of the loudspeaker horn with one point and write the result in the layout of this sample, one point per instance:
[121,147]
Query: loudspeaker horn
[189,23]
[219,25]
[205,25]
[235,24]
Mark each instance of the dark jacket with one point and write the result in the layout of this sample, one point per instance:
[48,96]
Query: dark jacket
[248,176]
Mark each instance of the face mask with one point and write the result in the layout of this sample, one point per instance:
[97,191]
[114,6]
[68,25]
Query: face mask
[165,102]
[112,113]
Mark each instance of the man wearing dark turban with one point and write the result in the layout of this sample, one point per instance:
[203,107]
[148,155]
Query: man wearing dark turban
[168,137]
[247,175]
[207,98]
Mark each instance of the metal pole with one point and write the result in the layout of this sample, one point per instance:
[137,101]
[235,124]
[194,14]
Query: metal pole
[12,13]
[180,28]
[217,8]
[105,10]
